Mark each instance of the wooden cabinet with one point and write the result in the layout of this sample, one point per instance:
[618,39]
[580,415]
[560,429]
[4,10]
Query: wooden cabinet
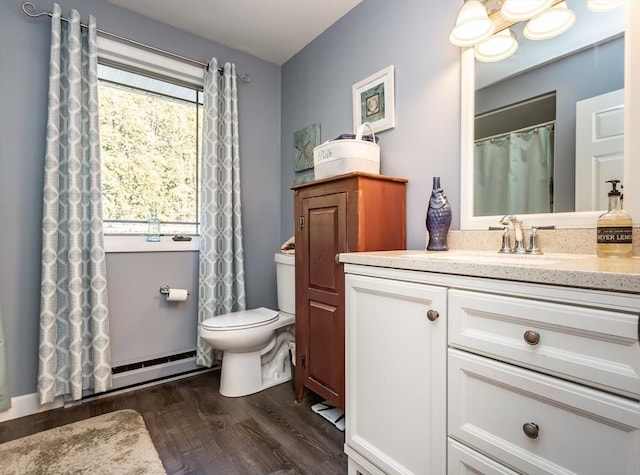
[348,213]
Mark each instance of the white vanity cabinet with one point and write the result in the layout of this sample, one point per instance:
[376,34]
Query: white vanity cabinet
[540,379]
[396,350]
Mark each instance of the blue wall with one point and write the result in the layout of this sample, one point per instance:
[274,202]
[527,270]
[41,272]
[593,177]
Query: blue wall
[24,56]
[411,35]
[314,86]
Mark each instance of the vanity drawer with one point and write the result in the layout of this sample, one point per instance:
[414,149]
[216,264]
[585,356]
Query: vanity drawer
[577,429]
[596,347]
[462,460]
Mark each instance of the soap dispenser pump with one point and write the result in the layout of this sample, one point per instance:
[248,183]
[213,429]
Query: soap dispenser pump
[614,235]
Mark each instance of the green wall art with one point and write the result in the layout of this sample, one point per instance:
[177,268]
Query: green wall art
[304,141]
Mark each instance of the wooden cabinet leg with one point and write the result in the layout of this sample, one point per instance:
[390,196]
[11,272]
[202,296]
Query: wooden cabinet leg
[301,392]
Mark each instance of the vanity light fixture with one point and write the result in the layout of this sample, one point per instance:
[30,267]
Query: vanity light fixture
[604,5]
[518,10]
[496,48]
[545,19]
[472,25]
[552,22]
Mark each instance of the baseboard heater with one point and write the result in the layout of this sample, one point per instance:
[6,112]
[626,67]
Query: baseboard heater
[142,372]
[153,362]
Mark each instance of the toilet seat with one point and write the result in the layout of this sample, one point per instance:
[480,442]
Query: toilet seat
[256,317]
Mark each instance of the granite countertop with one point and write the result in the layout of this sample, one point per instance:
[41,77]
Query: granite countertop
[573,270]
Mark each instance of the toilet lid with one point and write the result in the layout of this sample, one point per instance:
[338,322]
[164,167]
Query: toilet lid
[242,319]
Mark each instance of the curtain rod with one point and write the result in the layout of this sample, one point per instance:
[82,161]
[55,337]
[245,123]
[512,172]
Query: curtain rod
[30,10]
[523,129]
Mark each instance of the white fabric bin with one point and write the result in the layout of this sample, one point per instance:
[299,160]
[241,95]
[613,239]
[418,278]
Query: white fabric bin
[336,157]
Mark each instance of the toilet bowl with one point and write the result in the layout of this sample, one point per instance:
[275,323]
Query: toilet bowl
[255,342]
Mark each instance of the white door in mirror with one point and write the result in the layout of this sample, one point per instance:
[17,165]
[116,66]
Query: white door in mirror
[599,148]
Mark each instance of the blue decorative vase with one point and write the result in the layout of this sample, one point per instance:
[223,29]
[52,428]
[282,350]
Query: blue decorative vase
[438,218]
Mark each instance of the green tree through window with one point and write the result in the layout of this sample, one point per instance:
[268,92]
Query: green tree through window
[149,133]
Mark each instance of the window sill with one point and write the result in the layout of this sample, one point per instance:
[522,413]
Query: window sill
[140,244]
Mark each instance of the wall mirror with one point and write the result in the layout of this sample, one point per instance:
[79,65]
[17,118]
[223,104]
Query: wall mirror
[490,90]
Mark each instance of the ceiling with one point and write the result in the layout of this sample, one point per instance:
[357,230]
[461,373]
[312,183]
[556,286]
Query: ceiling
[273,30]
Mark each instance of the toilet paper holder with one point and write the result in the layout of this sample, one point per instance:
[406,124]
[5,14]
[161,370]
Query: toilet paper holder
[164,290]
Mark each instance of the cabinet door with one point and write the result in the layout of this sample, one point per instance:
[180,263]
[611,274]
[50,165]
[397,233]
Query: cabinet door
[321,320]
[396,374]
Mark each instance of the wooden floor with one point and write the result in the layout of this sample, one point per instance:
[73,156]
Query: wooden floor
[198,431]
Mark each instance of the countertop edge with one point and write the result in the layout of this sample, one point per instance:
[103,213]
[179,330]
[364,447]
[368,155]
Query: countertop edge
[577,271]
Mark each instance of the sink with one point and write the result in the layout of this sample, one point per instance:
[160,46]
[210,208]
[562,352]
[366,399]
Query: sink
[499,259]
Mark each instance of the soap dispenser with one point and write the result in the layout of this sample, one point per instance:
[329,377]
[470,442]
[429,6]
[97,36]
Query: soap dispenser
[614,227]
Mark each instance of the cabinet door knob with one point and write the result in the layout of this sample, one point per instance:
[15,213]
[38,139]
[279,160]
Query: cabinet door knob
[531,337]
[432,315]
[530,429]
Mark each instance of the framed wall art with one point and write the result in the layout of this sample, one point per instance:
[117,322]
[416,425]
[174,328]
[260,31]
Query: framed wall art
[374,101]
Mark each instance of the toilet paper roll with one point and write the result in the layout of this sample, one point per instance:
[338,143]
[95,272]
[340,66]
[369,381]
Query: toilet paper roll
[177,295]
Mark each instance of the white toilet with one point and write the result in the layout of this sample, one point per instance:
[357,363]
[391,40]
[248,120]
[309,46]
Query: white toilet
[255,343]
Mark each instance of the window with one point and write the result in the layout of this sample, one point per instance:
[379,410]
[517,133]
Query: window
[150,135]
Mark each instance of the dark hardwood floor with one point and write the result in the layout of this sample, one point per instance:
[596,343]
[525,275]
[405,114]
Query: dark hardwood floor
[198,431]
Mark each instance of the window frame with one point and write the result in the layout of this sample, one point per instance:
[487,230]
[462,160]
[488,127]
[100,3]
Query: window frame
[119,54]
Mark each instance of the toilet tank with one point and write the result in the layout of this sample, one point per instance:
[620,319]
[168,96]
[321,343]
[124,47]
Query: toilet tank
[286,282]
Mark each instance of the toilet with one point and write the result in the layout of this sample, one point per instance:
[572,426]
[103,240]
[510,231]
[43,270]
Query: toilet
[255,343]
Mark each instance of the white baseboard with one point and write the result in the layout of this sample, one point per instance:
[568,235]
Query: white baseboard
[27,405]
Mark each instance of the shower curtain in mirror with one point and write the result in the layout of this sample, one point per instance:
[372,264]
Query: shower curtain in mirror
[74,353]
[513,173]
[221,265]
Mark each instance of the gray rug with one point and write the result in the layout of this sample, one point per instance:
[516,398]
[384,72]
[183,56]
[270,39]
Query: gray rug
[113,443]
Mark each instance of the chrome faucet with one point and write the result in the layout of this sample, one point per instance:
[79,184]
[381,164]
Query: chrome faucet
[519,248]
[518,234]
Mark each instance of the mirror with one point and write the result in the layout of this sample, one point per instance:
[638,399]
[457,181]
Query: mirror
[479,86]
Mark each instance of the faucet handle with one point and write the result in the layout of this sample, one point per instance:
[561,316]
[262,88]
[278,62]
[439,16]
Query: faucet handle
[533,239]
[506,241]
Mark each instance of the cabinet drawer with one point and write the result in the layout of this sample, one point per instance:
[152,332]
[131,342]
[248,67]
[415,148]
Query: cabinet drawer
[577,429]
[461,460]
[596,347]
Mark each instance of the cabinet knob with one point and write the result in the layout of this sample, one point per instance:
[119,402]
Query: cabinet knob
[432,315]
[530,429]
[531,337]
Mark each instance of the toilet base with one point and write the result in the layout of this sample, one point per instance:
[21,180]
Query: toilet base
[243,373]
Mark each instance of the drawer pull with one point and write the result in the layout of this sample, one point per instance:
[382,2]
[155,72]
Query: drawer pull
[531,337]
[530,429]
[432,315]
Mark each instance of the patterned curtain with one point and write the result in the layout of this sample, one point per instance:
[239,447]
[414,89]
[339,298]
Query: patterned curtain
[74,327]
[221,270]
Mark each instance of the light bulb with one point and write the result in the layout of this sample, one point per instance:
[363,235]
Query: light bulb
[604,5]
[518,10]
[496,48]
[472,25]
[553,22]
